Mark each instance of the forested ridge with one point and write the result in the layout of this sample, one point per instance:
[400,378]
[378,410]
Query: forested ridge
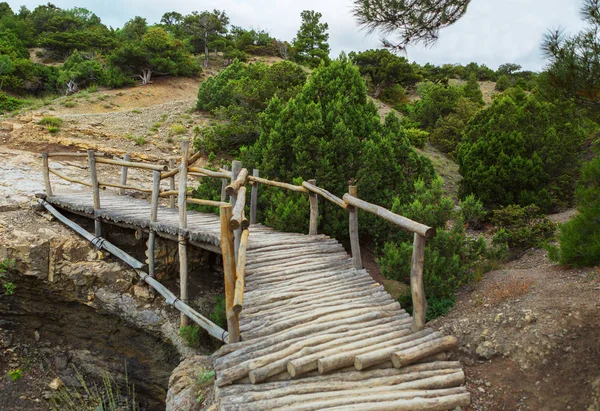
[520,149]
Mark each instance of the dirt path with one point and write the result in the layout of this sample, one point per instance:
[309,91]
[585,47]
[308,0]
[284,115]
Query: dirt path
[530,337]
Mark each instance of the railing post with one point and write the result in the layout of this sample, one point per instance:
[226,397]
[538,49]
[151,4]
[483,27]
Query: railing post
[46,169]
[416,284]
[354,238]
[95,192]
[224,184]
[229,272]
[236,166]
[172,184]
[314,210]
[254,199]
[183,262]
[124,169]
[153,219]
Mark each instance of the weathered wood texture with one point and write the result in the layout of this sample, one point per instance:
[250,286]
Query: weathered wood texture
[313,198]
[229,273]
[124,170]
[254,198]
[308,328]
[400,221]
[417,286]
[46,170]
[354,237]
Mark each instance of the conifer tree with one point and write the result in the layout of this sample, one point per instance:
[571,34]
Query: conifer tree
[310,46]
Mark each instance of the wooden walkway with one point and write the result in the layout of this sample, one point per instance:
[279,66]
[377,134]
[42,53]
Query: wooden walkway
[316,332]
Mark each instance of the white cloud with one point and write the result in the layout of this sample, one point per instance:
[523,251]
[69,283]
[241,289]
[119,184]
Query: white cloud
[492,32]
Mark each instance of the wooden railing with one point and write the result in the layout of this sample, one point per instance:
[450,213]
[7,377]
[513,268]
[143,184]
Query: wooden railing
[235,226]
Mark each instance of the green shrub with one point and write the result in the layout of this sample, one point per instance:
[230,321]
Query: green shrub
[521,150]
[417,137]
[448,131]
[472,91]
[503,83]
[521,228]
[8,287]
[178,129]
[52,123]
[218,315]
[136,111]
[473,211]
[92,88]
[69,104]
[580,237]
[436,102]
[451,258]
[138,140]
[15,375]
[8,103]
[191,335]
[238,94]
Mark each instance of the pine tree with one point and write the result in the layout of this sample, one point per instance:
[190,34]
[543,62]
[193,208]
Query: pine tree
[310,46]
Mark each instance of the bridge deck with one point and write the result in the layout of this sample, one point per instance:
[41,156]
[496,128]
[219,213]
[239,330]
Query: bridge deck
[308,318]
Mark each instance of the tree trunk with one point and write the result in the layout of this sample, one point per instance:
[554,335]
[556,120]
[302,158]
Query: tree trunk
[72,87]
[146,76]
[206,51]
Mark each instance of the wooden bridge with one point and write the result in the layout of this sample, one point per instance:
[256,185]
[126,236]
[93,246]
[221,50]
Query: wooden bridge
[307,327]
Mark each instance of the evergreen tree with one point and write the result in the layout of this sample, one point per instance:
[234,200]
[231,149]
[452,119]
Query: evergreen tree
[574,60]
[331,131]
[472,91]
[522,151]
[156,53]
[580,237]
[413,21]
[310,46]
[503,83]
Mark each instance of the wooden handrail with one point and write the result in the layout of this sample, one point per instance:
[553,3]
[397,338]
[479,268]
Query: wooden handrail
[325,194]
[78,155]
[202,172]
[199,201]
[69,179]
[237,218]
[172,173]
[291,187]
[386,214]
[132,164]
[239,181]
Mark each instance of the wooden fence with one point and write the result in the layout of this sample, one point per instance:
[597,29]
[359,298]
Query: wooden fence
[235,227]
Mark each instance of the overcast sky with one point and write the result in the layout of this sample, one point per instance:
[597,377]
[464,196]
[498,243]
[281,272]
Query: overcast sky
[492,32]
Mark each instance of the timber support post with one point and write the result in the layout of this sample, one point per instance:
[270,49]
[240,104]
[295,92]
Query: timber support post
[172,184]
[124,169]
[229,272]
[417,287]
[314,210]
[153,220]
[95,192]
[236,167]
[181,203]
[354,237]
[46,168]
[224,184]
[254,199]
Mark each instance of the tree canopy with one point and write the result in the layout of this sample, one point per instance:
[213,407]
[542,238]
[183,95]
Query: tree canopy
[310,46]
[412,21]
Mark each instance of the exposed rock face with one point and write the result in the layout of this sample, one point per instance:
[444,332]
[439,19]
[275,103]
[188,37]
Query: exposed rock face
[86,309]
[185,393]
